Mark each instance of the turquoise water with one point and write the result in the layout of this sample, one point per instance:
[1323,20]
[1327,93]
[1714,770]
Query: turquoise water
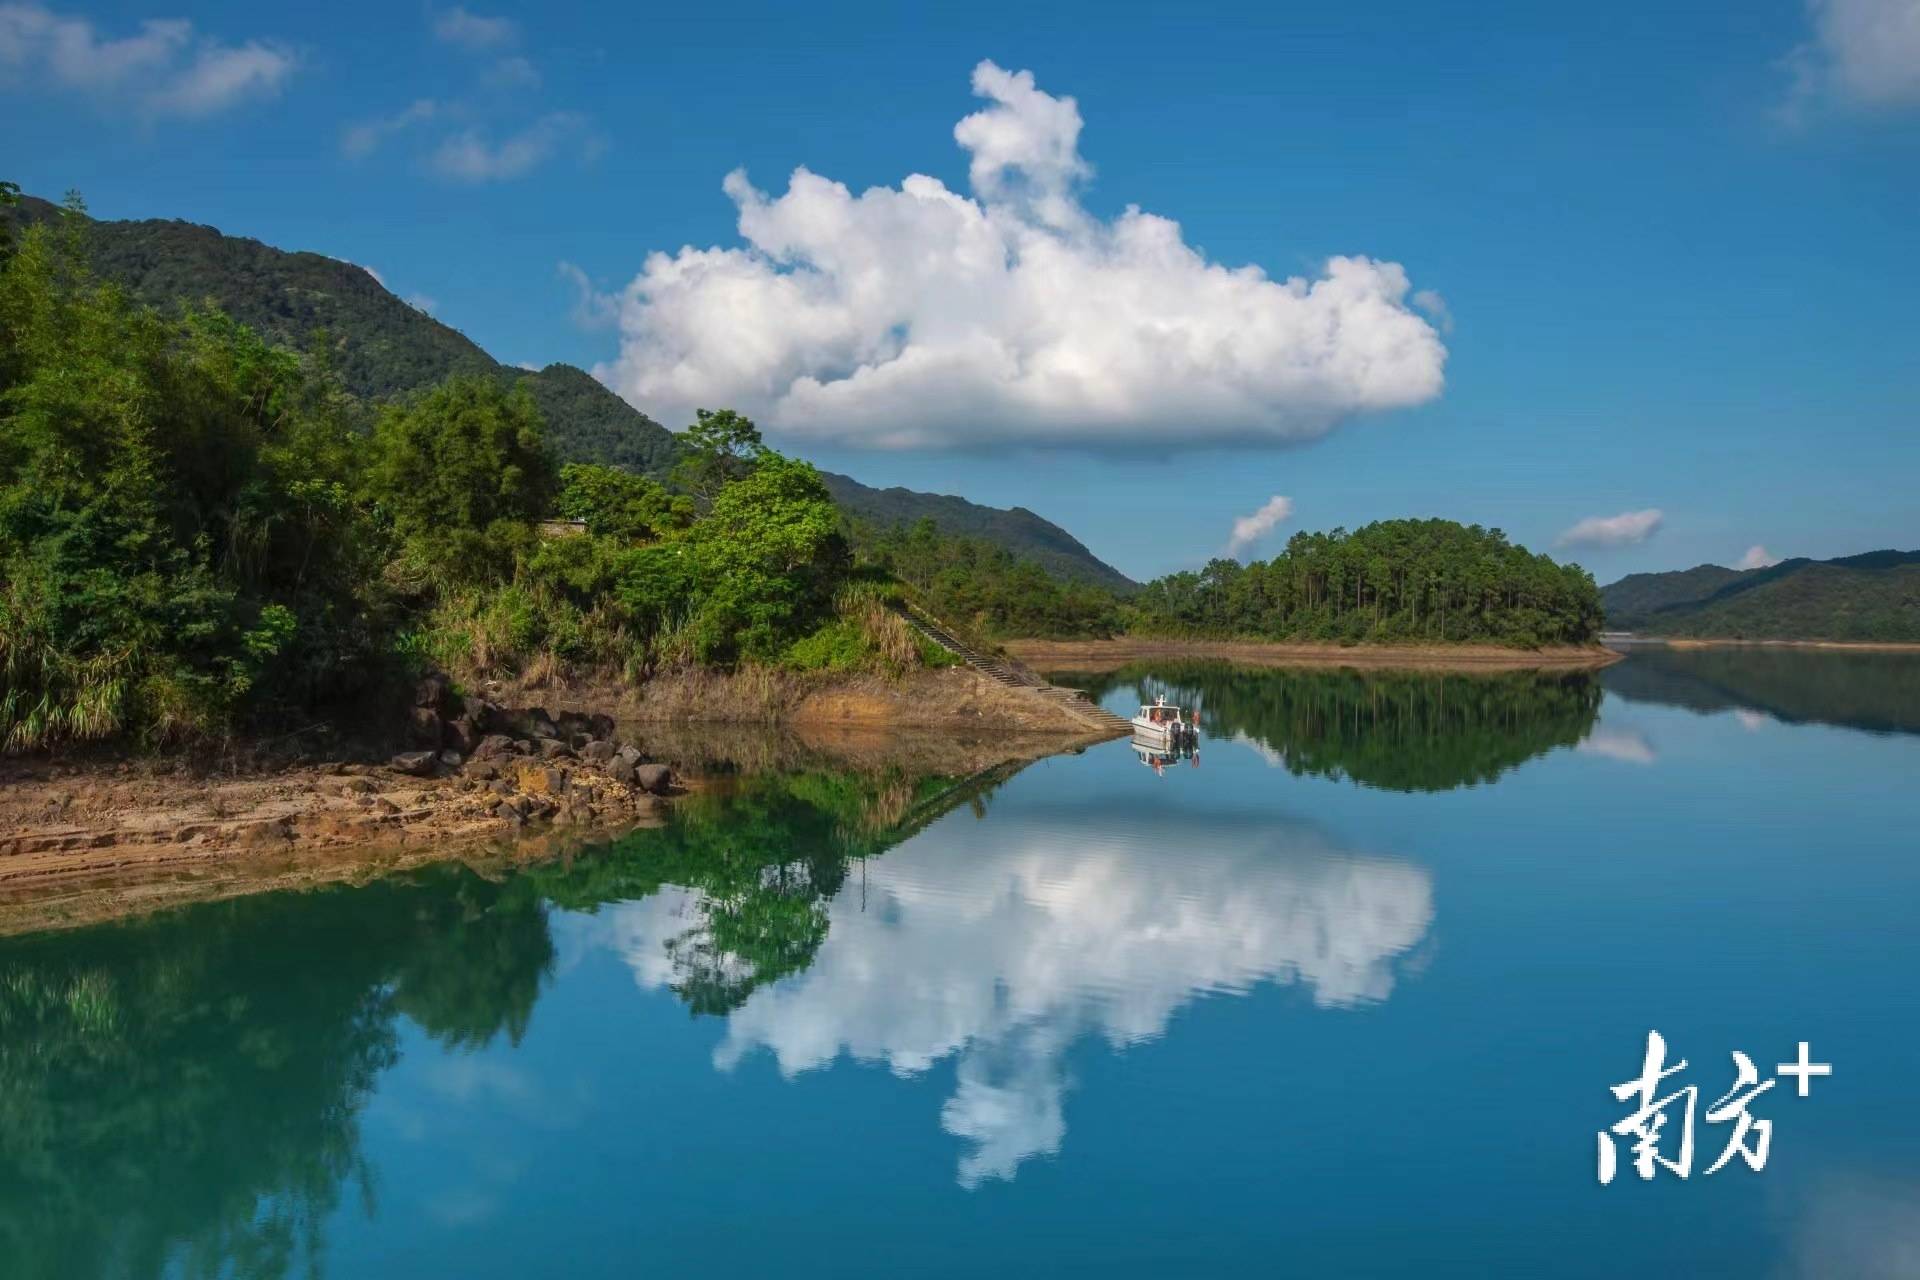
[1344,998]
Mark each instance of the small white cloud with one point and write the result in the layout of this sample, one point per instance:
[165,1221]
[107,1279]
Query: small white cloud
[513,73]
[1864,53]
[1629,746]
[363,139]
[1757,557]
[528,365]
[471,30]
[421,302]
[164,70]
[917,316]
[221,76]
[472,157]
[1249,529]
[1623,530]
[1751,721]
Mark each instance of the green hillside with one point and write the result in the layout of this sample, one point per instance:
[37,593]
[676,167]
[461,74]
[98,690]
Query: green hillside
[1018,530]
[1861,599]
[382,346]
[1632,600]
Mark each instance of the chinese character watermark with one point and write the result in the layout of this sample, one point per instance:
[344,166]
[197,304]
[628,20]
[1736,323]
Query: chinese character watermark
[1664,1122]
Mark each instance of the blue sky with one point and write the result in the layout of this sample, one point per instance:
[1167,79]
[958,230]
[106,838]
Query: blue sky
[1675,244]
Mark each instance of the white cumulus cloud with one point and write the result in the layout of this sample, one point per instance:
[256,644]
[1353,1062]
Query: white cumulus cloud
[1249,529]
[917,316]
[1757,557]
[163,70]
[1863,53]
[1623,530]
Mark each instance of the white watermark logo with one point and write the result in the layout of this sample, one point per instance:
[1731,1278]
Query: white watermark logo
[1648,1123]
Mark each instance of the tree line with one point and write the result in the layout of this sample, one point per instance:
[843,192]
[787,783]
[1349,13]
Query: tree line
[1405,581]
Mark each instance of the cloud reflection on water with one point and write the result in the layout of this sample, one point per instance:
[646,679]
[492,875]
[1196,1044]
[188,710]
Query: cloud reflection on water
[1001,944]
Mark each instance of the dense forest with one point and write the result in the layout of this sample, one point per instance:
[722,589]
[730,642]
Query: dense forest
[1412,581]
[197,527]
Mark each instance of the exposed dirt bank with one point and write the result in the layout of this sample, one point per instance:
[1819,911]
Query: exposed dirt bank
[94,838]
[955,700]
[1108,655]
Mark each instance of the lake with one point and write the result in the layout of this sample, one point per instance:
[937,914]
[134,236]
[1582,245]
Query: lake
[1345,996]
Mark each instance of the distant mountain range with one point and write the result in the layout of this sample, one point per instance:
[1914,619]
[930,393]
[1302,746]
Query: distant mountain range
[1863,598]
[383,346]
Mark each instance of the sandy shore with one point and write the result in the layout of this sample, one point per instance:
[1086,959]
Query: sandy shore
[1107,655]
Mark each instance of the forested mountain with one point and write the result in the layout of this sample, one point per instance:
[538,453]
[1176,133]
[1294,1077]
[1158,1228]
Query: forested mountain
[1863,598]
[1020,531]
[382,346]
[1636,597]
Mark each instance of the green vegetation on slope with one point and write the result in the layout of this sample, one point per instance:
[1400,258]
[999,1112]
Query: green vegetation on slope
[1394,581]
[1867,598]
[382,347]
[982,588]
[197,528]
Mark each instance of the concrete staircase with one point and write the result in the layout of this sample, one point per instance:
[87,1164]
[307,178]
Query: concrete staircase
[1015,676]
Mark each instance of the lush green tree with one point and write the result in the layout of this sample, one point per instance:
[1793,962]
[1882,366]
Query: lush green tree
[461,472]
[175,530]
[618,504]
[721,447]
[769,555]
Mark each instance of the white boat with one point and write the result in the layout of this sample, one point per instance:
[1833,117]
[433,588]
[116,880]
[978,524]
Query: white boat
[1164,726]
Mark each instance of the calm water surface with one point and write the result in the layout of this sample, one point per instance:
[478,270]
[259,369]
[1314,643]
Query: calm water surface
[1343,998]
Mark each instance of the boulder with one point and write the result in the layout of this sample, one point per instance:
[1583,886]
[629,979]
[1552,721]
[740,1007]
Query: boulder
[628,754]
[620,769]
[461,735]
[493,746]
[599,751]
[417,764]
[423,727]
[529,722]
[553,749]
[656,778]
[482,770]
[536,781]
[434,692]
[581,724]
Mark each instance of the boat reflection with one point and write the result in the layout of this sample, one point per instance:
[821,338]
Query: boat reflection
[1160,756]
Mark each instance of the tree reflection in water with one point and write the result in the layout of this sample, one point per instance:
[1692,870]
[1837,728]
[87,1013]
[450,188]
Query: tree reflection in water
[181,1094]
[1399,731]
